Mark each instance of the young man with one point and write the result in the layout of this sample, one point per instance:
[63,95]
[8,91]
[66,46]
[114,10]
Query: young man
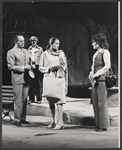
[18,64]
[35,88]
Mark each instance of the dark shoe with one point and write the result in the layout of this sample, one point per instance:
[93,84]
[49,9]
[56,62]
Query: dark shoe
[97,128]
[101,130]
[33,102]
[25,122]
[18,123]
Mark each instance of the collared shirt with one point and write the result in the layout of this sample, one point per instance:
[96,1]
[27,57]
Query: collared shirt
[107,62]
[35,53]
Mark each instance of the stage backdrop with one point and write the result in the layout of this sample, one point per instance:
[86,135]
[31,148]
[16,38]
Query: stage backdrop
[72,23]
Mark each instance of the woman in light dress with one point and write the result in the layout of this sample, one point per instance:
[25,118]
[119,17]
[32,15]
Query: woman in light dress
[54,60]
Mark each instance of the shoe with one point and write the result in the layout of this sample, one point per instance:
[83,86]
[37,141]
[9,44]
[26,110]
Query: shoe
[101,130]
[97,128]
[38,102]
[58,127]
[25,122]
[51,125]
[17,123]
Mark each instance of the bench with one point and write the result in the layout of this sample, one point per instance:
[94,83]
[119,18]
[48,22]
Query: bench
[7,99]
[112,96]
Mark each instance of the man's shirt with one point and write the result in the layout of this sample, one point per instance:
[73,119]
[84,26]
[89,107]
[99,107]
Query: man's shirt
[35,53]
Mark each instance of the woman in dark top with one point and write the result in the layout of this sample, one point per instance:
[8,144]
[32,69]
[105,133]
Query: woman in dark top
[100,67]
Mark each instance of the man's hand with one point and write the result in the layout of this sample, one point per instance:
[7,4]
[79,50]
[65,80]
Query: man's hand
[27,67]
[33,66]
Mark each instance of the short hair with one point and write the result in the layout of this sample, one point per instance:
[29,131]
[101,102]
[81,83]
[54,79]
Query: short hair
[101,40]
[33,38]
[51,41]
[16,38]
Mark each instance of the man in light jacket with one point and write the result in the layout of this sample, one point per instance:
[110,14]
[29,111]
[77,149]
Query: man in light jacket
[18,64]
[35,88]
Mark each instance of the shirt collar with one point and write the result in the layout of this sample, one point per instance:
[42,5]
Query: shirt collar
[33,47]
[20,49]
[100,50]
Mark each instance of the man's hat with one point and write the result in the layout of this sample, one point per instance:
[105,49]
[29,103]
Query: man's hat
[33,38]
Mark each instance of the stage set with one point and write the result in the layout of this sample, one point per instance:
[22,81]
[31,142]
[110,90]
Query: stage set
[73,23]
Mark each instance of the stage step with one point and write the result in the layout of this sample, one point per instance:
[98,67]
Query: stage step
[76,111]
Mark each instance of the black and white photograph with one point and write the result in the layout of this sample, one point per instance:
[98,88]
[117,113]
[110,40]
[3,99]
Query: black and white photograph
[60,74]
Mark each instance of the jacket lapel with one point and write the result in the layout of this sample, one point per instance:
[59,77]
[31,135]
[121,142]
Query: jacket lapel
[17,51]
[26,55]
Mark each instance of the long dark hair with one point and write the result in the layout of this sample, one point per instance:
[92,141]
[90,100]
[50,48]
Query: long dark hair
[51,41]
[101,40]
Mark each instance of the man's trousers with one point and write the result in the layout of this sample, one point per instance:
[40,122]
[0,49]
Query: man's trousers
[36,86]
[20,101]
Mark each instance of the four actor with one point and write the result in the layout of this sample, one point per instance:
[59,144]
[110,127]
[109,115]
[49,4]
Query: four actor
[21,62]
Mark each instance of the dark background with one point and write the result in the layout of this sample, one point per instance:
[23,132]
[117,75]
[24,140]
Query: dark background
[72,22]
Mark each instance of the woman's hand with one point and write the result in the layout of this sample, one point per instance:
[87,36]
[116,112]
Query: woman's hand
[51,69]
[92,76]
[54,68]
[92,79]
